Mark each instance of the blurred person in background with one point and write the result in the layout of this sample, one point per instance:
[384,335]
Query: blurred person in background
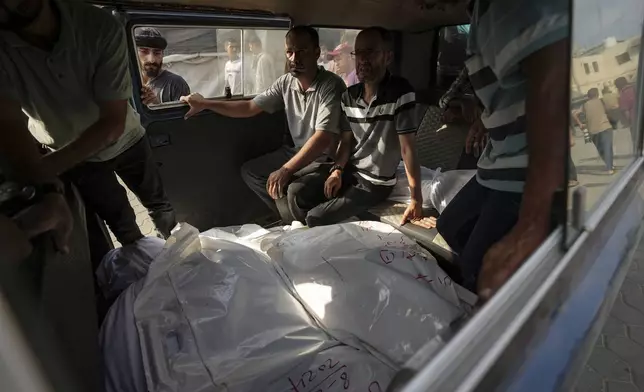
[233,67]
[599,128]
[344,63]
[262,66]
[611,103]
[627,106]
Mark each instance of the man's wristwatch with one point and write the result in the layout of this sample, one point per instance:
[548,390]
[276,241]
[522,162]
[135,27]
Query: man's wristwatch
[336,167]
[15,197]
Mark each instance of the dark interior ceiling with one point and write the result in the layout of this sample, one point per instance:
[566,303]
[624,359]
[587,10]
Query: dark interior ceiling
[408,15]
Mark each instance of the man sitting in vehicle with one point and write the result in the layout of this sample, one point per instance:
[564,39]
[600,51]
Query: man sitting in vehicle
[517,67]
[64,64]
[380,113]
[311,97]
[159,85]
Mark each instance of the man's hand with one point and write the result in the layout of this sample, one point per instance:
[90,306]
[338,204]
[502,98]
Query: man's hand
[476,138]
[333,184]
[413,213]
[196,102]
[51,214]
[277,182]
[148,97]
[449,115]
[507,255]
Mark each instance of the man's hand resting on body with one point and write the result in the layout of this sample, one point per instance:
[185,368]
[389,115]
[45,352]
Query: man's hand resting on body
[333,184]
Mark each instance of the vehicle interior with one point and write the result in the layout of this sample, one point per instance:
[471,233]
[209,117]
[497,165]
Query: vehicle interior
[200,157]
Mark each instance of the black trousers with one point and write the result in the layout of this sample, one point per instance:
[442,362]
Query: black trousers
[476,219]
[309,205]
[256,171]
[101,191]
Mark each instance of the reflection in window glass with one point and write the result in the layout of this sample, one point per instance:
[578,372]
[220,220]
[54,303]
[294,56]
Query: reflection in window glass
[174,61]
[336,46]
[606,54]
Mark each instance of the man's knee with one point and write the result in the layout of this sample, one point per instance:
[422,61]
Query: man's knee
[314,220]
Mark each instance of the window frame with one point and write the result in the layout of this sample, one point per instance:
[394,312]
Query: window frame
[132,18]
[436,51]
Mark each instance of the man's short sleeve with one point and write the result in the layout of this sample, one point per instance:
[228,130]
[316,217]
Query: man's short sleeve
[272,99]
[179,88]
[330,106]
[521,28]
[345,125]
[406,111]
[112,79]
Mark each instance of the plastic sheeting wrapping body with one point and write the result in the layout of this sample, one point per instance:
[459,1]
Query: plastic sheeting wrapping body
[327,309]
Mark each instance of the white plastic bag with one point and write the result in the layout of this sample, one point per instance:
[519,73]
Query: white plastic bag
[369,281]
[215,315]
[446,185]
[401,194]
[123,266]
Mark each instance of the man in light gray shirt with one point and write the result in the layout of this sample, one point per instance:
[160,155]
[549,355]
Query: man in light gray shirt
[64,64]
[311,97]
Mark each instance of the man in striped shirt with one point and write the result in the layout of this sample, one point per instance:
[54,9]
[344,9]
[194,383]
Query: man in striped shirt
[379,127]
[518,69]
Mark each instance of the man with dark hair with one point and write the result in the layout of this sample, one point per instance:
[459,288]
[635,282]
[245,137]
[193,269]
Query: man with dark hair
[380,116]
[262,66]
[159,85]
[309,94]
[599,127]
[233,67]
[65,65]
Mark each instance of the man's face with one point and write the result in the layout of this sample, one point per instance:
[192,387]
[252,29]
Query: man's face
[301,54]
[151,60]
[343,62]
[15,15]
[232,48]
[254,48]
[372,57]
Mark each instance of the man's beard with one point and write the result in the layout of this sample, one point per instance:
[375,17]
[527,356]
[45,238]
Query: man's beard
[16,21]
[152,70]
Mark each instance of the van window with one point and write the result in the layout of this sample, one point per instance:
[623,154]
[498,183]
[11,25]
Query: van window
[604,139]
[452,45]
[336,46]
[214,62]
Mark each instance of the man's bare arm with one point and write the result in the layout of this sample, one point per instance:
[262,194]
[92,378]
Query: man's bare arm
[412,167]
[107,130]
[344,149]
[312,149]
[547,111]
[19,147]
[235,109]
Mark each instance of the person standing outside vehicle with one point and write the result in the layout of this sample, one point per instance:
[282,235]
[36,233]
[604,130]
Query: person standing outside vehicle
[599,127]
[344,64]
[233,67]
[518,71]
[627,106]
[65,65]
[380,114]
[159,85]
[611,103]
[262,66]
[309,94]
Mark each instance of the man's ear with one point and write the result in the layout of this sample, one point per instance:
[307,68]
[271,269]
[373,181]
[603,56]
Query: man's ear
[317,52]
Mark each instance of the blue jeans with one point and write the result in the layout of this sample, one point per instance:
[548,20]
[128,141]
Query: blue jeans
[603,141]
[473,221]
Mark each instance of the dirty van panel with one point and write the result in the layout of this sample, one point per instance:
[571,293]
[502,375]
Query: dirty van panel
[201,165]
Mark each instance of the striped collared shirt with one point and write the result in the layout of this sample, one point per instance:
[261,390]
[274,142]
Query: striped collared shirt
[376,126]
[503,34]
